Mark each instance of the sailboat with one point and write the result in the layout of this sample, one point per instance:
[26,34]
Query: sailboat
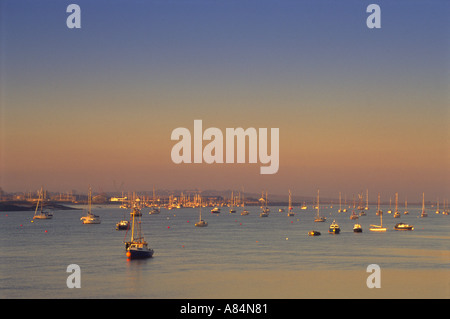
[424,213]
[201,222]
[376,227]
[437,210]
[390,205]
[290,212]
[360,205]
[406,207]
[318,217]
[445,210]
[367,200]
[265,209]
[90,218]
[244,211]
[353,215]
[137,247]
[379,211]
[232,210]
[396,213]
[39,213]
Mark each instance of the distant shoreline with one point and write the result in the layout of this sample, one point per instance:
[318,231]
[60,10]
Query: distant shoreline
[18,206]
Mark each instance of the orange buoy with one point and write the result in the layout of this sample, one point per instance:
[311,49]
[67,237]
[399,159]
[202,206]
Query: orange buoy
[128,254]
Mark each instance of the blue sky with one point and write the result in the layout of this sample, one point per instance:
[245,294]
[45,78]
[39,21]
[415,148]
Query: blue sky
[138,69]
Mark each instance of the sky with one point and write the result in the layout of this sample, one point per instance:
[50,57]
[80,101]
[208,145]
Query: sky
[357,108]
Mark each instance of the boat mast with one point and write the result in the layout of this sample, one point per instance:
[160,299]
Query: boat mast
[396,201]
[290,202]
[378,202]
[132,228]
[200,199]
[367,199]
[89,200]
[423,203]
[318,204]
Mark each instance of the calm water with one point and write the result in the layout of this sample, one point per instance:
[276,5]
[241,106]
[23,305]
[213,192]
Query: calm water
[35,256]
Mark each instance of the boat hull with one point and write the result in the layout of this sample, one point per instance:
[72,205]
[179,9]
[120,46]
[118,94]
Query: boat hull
[139,253]
[334,230]
[122,226]
[201,224]
[403,227]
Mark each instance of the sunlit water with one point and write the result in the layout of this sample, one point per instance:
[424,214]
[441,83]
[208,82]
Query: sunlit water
[35,255]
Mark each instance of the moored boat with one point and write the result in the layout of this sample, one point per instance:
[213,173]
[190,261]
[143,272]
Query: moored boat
[314,233]
[90,218]
[319,218]
[39,212]
[123,225]
[357,228]
[334,228]
[403,226]
[137,247]
[423,213]
[201,222]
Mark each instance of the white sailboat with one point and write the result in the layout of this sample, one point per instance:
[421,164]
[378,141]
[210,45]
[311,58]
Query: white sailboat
[290,212]
[396,213]
[318,217]
[90,218]
[406,206]
[39,213]
[424,213]
[201,222]
[265,209]
[244,211]
[379,211]
[232,210]
[378,228]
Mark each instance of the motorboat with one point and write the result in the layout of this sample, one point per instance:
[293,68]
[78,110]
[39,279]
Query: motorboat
[334,228]
[123,225]
[403,226]
[357,228]
[314,233]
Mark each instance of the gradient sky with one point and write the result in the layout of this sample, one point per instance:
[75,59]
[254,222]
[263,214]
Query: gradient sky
[357,108]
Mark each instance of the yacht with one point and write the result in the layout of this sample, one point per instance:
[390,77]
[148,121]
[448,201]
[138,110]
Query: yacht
[334,228]
[357,228]
[201,222]
[423,213]
[39,213]
[318,217]
[215,210]
[123,225]
[378,228]
[90,218]
[403,226]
